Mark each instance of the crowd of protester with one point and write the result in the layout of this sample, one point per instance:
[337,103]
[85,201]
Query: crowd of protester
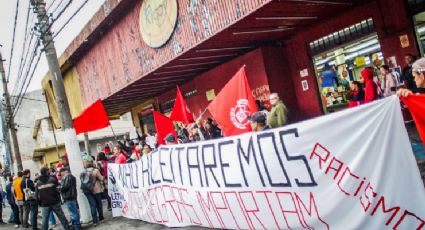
[51,188]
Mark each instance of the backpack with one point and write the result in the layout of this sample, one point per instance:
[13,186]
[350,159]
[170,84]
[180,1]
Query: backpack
[87,181]
[29,194]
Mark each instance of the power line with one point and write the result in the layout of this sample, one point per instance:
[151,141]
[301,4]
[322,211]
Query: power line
[51,4]
[28,83]
[24,64]
[22,92]
[70,18]
[25,43]
[13,39]
[26,76]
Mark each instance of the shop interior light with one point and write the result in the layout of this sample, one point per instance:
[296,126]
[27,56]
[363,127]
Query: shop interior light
[279,29]
[324,61]
[221,49]
[287,18]
[362,52]
[362,46]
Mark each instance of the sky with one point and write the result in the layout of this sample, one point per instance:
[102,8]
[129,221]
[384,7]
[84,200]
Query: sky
[71,30]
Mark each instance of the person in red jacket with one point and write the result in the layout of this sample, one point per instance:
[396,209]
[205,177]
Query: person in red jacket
[371,89]
[356,96]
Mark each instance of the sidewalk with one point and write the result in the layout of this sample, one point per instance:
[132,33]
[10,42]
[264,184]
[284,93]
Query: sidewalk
[110,223]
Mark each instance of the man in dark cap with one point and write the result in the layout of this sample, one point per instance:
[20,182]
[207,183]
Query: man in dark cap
[259,122]
[170,139]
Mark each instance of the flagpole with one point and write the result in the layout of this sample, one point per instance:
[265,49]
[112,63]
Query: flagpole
[115,136]
[202,114]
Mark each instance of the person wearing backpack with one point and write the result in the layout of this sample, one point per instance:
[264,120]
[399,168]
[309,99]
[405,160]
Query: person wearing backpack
[68,191]
[48,198]
[30,201]
[92,187]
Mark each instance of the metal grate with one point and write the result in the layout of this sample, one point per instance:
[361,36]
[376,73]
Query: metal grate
[343,36]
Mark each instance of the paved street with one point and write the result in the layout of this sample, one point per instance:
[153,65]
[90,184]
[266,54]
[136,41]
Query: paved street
[109,223]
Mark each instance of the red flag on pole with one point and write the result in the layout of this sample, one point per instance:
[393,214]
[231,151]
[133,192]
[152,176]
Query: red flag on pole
[234,105]
[416,106]
[180,110]
[163,126]
[92,118]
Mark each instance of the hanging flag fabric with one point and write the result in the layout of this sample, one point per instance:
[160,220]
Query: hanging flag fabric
[92,118]
[234,105]
[416,106]
[163,126]
[180,111]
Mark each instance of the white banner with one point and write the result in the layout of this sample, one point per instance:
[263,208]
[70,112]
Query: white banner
[349,170]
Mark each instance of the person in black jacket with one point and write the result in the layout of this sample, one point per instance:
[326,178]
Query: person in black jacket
[68,191]
[49,199]
[30,203]
[11,200]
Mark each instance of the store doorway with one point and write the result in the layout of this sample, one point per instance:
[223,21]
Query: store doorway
[147,123]
[338,68]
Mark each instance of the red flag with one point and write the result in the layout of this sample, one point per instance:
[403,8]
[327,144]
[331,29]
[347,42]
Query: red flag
[416,105]
[234,105]
[163,126]
[180,110]
[92,118]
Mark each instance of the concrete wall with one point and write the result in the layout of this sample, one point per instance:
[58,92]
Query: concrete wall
[29,111]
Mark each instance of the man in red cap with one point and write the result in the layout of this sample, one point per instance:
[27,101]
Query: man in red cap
[371,89]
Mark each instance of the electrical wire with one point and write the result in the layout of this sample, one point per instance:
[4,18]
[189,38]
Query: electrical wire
[70,18]
[21,62]
[15,111]
[13,39]
[23,91]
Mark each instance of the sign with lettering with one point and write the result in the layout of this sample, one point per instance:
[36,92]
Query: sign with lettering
[157,21]
[295,177]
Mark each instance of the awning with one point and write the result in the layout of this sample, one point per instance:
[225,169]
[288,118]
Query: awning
[266,26]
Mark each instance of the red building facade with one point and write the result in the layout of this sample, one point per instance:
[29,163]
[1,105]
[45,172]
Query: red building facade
[213,39]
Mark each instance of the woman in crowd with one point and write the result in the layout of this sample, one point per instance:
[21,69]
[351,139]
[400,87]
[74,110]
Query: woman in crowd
[389,83]
[102,164]
[356,96]
[418,72]
[371,88]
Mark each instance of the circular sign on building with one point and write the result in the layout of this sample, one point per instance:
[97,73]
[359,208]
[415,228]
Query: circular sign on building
[157,21]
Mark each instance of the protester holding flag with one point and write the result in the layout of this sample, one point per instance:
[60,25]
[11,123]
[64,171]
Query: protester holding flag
[415,100]
[278,117]
[418,71]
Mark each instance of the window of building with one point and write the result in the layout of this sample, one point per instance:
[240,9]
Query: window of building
[338,68]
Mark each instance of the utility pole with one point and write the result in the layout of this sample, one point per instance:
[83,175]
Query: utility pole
[9,118]
[71,143]
[6,141]
[87,143]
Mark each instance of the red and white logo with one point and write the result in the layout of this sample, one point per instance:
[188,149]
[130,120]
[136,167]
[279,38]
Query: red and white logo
[240,113]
